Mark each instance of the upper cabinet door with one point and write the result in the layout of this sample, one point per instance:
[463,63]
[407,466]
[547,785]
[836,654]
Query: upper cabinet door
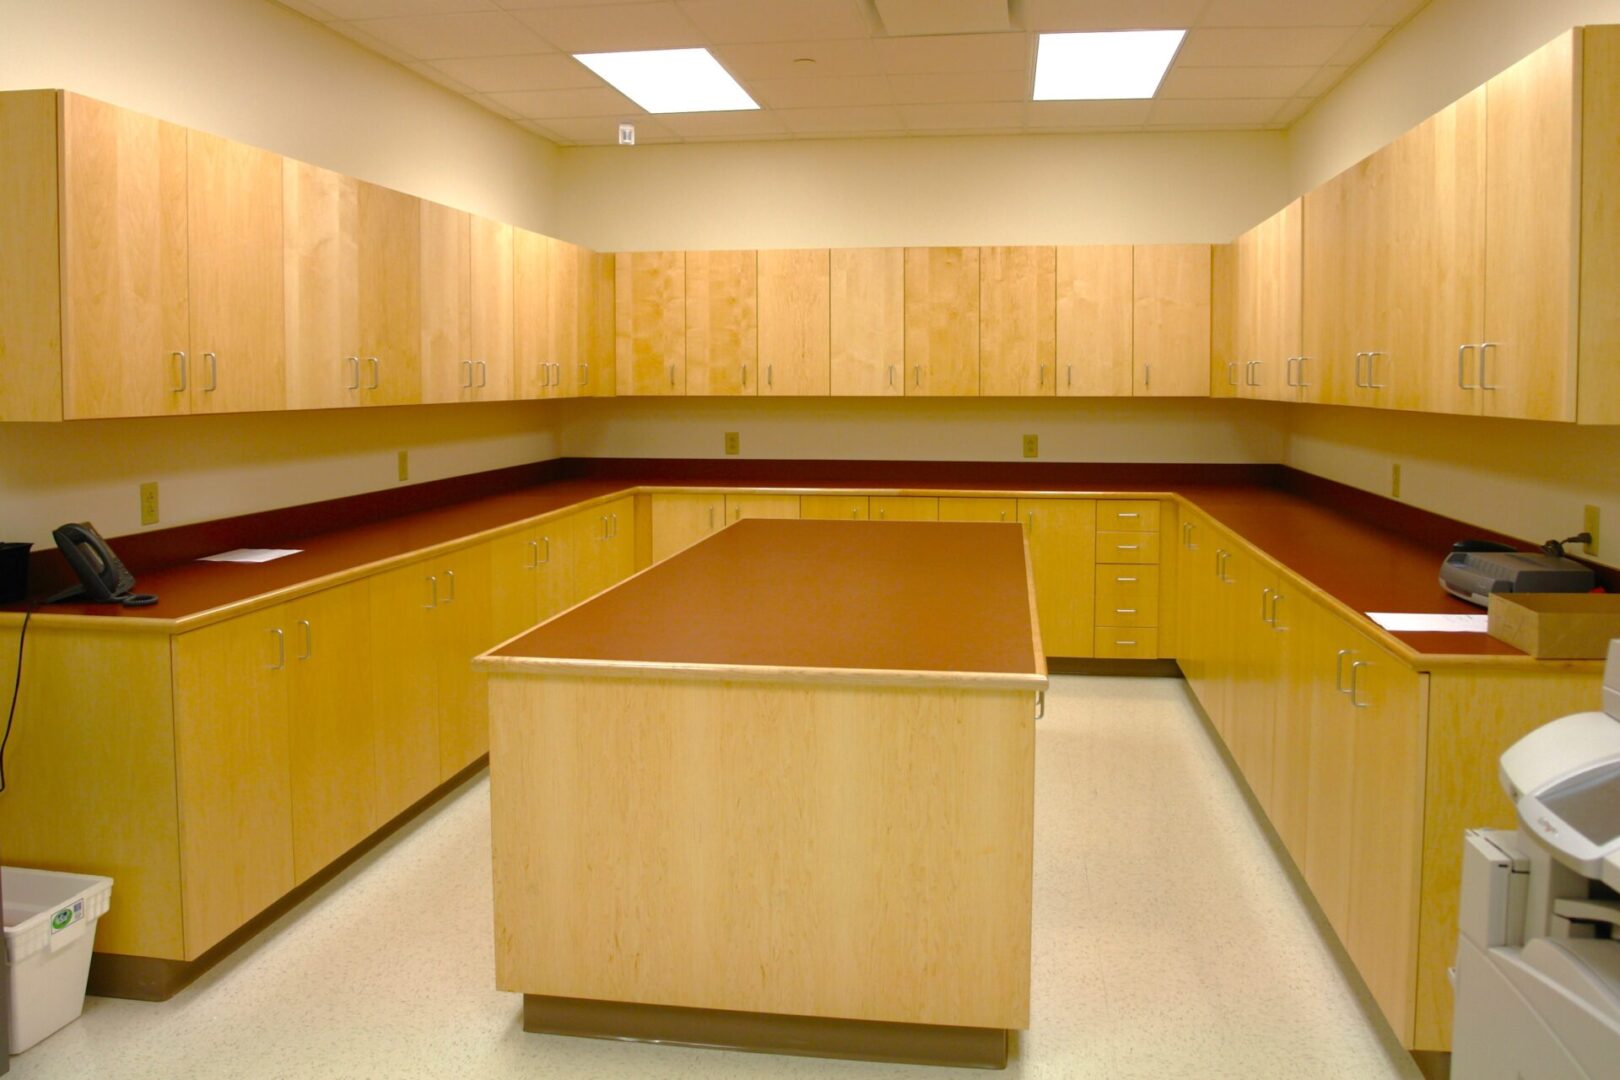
[390,296]
[238,319]
[942,321]
[1017,321]
[1226,293]
[1531,218]
[1270,270]
[31,272]
[448,372]
[722,323]
[867,314]
[1171,320]
[596,374]
[321,264]
[1094,304]
[531,315]
[490,322]
[1329,235]
[795,323]
[1439,289]
[649,316]
[125,323]
[569,321]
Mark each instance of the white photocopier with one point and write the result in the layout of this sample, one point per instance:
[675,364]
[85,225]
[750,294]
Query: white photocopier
[1538,954]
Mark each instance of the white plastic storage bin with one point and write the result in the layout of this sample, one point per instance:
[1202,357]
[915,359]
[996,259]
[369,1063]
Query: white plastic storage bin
[50,931]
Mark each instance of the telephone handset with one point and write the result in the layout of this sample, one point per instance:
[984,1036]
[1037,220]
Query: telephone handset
[106,580]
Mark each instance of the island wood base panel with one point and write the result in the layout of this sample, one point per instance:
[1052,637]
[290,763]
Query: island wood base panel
[767,1033]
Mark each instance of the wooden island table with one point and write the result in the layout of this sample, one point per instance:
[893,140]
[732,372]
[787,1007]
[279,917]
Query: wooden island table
[777,793]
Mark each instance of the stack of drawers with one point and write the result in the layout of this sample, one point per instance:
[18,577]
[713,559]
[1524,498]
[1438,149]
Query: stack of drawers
[1127,579]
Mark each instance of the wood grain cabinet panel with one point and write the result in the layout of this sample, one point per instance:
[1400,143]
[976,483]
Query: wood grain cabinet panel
[448,371]
[597,375]
[1017,321]
[681,520]
[321,263]
[490,325]
[390,296]
[31,272]
[942,322]
[1256,339]
[650,322]
[572,319]
[126,324]
[903,508]
[795,323]
[1060,533]
[1094,326]
[722,323]
[867,312]
[462,628]
[1171,320]
[404,690]
[834,507]
[532,339]
[761,506]
[959,508]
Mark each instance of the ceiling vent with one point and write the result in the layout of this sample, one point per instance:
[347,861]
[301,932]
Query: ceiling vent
[912,18]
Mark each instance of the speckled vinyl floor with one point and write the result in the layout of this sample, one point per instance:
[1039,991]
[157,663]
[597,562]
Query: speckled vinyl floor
[1168,942]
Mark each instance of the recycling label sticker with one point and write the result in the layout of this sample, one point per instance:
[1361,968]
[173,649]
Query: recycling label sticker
[67,917]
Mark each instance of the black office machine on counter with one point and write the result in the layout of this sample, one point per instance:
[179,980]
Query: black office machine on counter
[1477,568]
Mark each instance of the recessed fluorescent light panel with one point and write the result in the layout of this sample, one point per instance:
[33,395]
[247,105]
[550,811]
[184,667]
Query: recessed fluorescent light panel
[670,80]
[1092,67]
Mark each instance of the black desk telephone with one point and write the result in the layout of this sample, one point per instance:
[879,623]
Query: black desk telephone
[106,580]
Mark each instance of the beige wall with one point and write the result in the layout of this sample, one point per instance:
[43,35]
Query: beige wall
[927,429]
[1447,49]
[1029,189]
[220,466]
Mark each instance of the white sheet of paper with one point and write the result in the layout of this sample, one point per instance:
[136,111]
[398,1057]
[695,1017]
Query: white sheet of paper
[1453,624]
[251,555]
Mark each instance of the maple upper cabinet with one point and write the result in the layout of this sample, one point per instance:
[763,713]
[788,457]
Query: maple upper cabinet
[649,317]
[867,314]
[321,264]
[568,323]
[795,323]
[1093,320]
[942,322]
[1256,333]
[722,323]
[390,296]
[596,372]
[466,306]
[1017,321]
[1171,320]
[531,314]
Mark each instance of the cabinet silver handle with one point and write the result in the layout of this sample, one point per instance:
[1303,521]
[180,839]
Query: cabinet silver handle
[1125,580]
[483,374]
[1372,371]
[1004,515]
[1031,516]
[738,515]
[1288,371]
[916,377]
[1355,684]
[1123,643]
[1070,374]
[1360,356]
[770,376]
[185,371]
[615,519]
[468,381]
[711,519]
[1040,704]
[604,535]
[672,374]
[1462,368]
[545,376]
[1043,376]
[1221,558]
[1129,547]
[281,650]
[1231,372]
[584,374]
[450,586]
[534,555]
[309,639]
[1338,670]
[556,374]
[1302,384]
[376,372]
[1186,535]
[1484,367]
[1124,611]
[355,360]
[855,514]
[891,374]
[213,373]
[1265,606]
[1127,514]
[1275,600]
[433,593]
[744,369]
[1147,380]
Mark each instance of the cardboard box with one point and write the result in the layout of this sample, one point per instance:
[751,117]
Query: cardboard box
[1556,626]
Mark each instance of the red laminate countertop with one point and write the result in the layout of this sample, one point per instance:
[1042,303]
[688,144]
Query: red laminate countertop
[820,595]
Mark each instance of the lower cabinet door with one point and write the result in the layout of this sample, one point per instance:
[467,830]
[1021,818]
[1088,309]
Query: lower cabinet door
[679,521]
[405,684]
[461,630]
[235,799]
[1061,535]
[335,735]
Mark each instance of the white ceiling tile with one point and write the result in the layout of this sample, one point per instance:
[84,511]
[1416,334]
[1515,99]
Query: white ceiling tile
[353,32]
[547,71]
[964,52]
[723,124]
[821,93]
[603,131]
[903,18]
[435,37]
[494,106]
[1073,115]
[777,20]
[1325,79]
[543,105]
[1234,82]
[1288,12]
[313,10]
[1293,111]
[1047,16]
[976,117]
[961,87]
[777,60]
[383,9]
[1263,47]
[1362,42]
[614,27]
[1226,112]
[1395,12]
[433,74]
[862,119]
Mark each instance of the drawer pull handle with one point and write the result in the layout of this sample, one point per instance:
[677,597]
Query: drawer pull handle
[1126,580]
[1124,611]
[1123,643]
[1128,547]
[1130,515]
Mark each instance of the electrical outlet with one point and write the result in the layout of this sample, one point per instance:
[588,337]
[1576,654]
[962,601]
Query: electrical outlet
[1591,526]
[1032,446]
[149,503]
[404,465]
[733,442]
[1395,481]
